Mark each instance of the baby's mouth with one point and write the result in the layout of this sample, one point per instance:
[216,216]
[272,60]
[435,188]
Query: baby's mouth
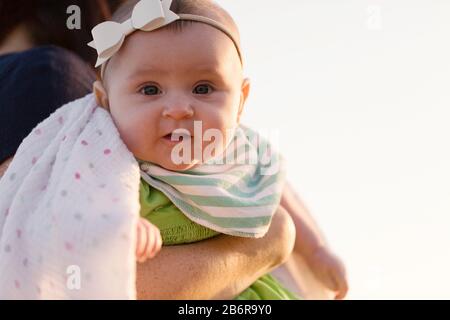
[177,137]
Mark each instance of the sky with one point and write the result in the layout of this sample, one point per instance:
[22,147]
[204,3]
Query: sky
[358,92]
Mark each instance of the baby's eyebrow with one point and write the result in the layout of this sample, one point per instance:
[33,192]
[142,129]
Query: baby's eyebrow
[213,71]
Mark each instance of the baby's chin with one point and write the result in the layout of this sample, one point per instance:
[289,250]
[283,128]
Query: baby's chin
[172,166]
[177,167]
[169,161]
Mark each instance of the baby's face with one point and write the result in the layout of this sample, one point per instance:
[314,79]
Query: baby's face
[165,80]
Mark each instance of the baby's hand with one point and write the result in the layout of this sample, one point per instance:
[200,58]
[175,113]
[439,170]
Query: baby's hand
[329,270]
[149,240]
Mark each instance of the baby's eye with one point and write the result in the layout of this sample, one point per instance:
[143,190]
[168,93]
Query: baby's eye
[202,89]
[150,90]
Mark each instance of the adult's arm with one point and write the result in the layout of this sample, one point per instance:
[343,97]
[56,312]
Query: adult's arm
[310,237]
[311,245]
[219,268]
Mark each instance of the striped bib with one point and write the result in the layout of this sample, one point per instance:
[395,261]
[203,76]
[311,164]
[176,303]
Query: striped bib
[236,194]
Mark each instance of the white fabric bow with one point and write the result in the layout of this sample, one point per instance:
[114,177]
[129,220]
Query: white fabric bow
[148,15]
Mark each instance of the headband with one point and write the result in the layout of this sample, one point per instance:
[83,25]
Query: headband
[147,15]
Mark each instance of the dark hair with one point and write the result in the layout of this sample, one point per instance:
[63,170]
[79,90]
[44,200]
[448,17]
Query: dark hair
[46,22]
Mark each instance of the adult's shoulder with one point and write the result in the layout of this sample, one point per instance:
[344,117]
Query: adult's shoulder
[53,67]
[33,84]
[39,54]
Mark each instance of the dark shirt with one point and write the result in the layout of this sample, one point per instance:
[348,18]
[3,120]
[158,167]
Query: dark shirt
[33,84]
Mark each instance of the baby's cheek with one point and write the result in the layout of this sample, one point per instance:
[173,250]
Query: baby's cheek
[214,146]
[132,143]
[136,143]
[131,135]
[222,120]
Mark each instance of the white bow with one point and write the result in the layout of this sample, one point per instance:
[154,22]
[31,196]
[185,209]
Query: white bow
[148,15]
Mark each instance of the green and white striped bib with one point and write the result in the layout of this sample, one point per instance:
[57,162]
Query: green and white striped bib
[236,197]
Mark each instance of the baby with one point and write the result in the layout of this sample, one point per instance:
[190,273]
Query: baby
[157,82]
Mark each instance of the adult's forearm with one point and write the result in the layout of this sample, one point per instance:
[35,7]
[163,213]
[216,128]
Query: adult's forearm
[219,268]
[309,236]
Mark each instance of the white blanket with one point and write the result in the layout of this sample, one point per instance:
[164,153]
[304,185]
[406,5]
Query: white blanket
[68,210]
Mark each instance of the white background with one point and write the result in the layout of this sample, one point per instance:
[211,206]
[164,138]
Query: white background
[360,93]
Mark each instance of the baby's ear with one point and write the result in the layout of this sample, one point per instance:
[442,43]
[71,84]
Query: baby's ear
[100,94]
[245,90]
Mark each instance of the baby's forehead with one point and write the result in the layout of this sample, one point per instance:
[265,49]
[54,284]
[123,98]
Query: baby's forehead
[195,49]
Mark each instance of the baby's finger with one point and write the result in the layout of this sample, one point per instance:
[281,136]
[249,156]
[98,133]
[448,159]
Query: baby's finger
[157,243]
[142,239]
[154,240]
[138,239]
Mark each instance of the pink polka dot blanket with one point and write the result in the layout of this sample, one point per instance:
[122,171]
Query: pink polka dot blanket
[68,210]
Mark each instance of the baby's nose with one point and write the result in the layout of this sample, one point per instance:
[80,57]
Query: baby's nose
[178,110]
